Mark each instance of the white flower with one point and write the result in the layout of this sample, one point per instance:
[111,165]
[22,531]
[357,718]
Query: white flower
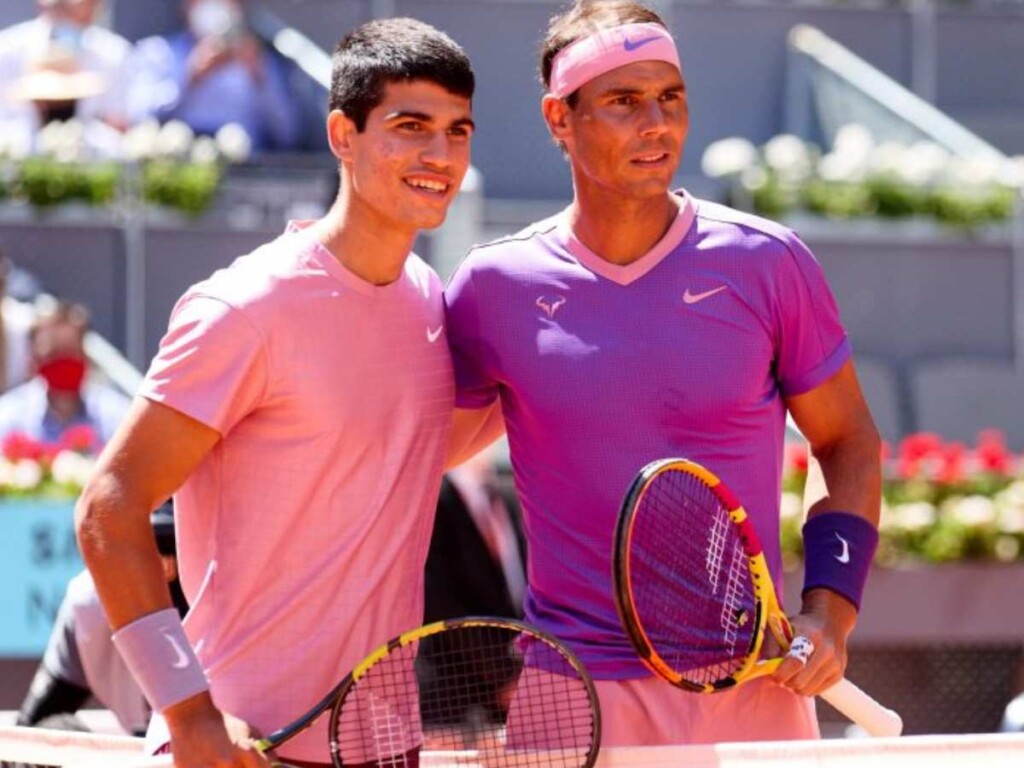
[841,167]
[1011,519]
[788,156]
[1006,549]
[139,143]
[792,506]
[922,163]
[50,137]
[973,172]
[914,516]
[174,140]
[205,151]
[63,141]
[234,143]
[853,140]
[71,468]
[1012,172]
[753,178]
[885,158]
[727,157]
[973,511]
[6,472]
[26,475]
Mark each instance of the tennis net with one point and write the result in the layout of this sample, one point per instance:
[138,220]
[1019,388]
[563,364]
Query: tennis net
[77,750]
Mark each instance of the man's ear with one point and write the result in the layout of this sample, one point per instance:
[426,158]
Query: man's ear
[340,130]
[556,115]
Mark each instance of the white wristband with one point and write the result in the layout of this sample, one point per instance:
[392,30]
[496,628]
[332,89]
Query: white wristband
[161,659]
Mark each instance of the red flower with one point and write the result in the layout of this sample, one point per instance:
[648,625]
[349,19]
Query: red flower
[17,446]
[920,445]
[952,469]
[795,457]
[992,453]
[80,438]
[886,452]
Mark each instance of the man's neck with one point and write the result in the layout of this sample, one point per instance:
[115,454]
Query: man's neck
[368,245]
[621,230]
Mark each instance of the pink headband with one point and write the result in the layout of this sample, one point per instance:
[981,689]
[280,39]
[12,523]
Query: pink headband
[609,49]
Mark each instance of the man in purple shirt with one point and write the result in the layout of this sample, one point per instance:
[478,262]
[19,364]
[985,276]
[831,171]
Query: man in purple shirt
[642,323]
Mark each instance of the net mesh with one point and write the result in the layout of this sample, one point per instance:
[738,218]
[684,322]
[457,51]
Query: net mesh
[701,627]
[500,692]
[970,751]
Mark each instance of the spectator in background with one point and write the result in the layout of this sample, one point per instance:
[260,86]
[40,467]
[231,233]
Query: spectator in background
[215,72]
[59,65]
[80,658]
[16,317]
[475,565]
[58,396]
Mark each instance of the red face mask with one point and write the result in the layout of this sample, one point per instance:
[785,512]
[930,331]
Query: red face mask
[63,374]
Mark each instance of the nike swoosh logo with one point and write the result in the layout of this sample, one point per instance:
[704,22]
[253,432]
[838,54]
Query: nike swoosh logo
[843,558]
[632,45]
[181,660]
[434,333]
[693,298]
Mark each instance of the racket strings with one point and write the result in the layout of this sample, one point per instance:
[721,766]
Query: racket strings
[496,690]
[689,578]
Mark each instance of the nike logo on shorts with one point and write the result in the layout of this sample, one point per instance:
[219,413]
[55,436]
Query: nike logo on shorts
[434,333]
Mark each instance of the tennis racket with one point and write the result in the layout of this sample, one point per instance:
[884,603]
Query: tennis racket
[480,691]
[694,593]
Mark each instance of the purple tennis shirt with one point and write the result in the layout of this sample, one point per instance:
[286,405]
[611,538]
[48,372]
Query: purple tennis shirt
[601,368]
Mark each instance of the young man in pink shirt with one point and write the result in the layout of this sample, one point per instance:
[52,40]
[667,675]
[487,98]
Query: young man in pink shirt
[299,408]
[642,323]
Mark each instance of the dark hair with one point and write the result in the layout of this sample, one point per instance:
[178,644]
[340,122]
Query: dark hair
[388,50]
[585,17]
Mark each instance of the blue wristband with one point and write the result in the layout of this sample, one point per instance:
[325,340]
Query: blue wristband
[838,550]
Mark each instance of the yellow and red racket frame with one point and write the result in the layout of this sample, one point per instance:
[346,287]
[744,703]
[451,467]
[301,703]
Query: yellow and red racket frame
[767,612]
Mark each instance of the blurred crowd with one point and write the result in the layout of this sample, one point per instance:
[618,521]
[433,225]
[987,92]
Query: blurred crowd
[213,72]
[49,399]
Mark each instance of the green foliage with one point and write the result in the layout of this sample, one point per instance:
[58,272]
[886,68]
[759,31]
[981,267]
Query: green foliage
[188,187]
[46,182]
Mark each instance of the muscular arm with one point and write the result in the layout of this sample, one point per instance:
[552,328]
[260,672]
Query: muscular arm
[147,460]
[150,457]
[846,448]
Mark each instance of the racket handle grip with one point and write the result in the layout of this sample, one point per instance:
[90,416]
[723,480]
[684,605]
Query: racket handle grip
[863,710]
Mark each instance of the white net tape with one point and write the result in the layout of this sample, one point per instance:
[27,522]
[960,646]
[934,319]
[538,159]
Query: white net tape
[76,750]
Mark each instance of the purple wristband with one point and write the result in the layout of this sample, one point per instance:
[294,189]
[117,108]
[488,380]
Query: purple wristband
[838,550]
[161,659]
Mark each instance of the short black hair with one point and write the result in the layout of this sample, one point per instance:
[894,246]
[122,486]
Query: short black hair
[390,50]
[583,18]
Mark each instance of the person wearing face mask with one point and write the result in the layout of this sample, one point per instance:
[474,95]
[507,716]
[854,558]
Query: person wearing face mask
[61,64]
[59,397]
[214,72]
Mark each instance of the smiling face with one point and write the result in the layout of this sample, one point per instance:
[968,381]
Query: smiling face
[625,135]
[407,164]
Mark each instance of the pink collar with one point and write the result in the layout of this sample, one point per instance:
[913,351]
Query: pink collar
[627,273]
